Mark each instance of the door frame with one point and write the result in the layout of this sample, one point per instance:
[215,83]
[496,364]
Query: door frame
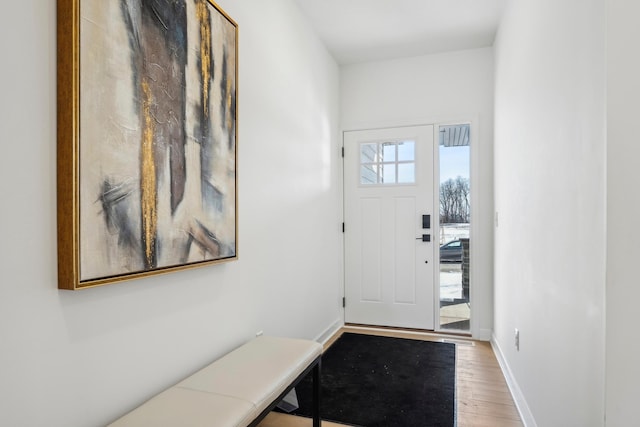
[477,310]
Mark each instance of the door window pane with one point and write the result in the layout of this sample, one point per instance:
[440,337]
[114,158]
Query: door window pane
[368,175]
[388,152]
[407,151]
[368,153]
[388,174]
[387,163]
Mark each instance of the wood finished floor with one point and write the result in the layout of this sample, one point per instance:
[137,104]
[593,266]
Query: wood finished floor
[483,399]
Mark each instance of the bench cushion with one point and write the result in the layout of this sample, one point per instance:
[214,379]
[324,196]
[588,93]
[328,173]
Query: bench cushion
[257,372]
[232,391]
[179,407]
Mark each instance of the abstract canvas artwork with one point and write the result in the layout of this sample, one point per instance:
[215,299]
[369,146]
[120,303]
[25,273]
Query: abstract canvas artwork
[146,138]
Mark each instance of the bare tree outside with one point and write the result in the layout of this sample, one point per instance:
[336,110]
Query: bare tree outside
[454,201]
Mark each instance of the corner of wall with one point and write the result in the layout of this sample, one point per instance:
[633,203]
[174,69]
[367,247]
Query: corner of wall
[484,335]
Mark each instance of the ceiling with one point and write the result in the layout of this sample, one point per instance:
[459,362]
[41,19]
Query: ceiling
[369,30]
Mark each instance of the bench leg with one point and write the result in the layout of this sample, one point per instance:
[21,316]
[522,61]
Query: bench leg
[316,395]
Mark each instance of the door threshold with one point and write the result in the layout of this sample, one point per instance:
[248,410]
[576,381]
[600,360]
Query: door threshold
[465,336]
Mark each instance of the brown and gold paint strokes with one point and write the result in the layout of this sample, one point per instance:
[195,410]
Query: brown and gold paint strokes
[157,166]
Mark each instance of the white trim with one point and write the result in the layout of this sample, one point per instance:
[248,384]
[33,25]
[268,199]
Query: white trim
[484,335]
[434,336]
[518,397]
[330,331]
[435,226]
[423,121]
[476,220]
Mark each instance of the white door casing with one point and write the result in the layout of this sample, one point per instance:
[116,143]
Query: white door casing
[389,269]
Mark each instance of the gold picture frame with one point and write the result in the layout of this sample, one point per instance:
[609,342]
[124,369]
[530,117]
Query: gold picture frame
[147,138]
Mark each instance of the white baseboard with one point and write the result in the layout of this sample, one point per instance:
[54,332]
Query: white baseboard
[330,331]
[484,335]
[516,393]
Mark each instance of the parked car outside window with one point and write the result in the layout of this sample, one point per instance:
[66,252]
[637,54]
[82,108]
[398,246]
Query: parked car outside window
[451,252]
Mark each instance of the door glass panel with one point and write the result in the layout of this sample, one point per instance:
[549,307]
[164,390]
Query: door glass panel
[455,218]
[388,152]
[387,163]
[388,174]
[407,151]
[368,153]
[368,174]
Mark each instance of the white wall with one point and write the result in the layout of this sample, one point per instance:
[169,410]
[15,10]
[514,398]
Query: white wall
[84,358]
[623,202]
[550,195]
[448,87]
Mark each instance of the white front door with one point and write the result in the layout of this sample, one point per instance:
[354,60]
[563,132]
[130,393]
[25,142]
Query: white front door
[389,274]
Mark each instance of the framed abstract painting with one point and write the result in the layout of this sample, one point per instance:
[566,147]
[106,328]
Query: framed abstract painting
[147,138]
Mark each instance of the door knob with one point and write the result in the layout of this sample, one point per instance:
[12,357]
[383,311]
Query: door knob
[424,238]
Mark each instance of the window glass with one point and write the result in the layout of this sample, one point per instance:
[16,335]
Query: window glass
[388,152]
[388,174]
[387,163]
[368,175]
[407,151]
[368,153]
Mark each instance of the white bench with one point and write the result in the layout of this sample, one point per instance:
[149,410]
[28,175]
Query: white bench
[238,390]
